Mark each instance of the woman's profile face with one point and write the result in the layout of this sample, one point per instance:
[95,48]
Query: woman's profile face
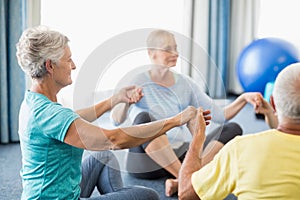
[63,69]
[167,54]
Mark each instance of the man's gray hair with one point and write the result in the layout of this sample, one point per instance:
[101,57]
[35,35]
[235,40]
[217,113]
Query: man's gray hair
[37,45]
[287,92]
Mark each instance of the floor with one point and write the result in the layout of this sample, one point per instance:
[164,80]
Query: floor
[10,161]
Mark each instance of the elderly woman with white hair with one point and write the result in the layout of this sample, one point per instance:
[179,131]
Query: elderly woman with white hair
[53,137]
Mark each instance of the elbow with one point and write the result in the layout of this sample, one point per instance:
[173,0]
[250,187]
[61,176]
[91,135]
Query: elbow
[181,196]
[187,196]
[115,143]
[121,139]
[118,141]
[186,190]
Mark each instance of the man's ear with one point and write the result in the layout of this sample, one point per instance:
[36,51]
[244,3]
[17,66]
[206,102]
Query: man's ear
[272,102]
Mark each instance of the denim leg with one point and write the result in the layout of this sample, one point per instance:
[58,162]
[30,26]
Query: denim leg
[101,170]
[110,179]
[129,193]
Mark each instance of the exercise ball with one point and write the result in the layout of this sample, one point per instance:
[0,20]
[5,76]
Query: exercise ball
[262,60]
[268,91]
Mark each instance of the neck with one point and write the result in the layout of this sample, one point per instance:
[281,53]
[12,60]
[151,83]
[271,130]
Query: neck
[289,126]
[160,71]
[162,76]
[44,87]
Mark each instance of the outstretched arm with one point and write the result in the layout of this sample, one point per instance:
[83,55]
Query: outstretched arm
[126,95]
[83,134]
[192,161]
[233,108]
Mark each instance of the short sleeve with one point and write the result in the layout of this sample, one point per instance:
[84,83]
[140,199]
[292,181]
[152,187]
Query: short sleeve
[200,99]
[55,120]
[217,179]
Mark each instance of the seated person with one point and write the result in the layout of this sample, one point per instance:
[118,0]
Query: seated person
[53,137]
[264,165]
[166,93]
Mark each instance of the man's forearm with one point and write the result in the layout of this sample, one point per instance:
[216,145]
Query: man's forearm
[271,119]
[191,163]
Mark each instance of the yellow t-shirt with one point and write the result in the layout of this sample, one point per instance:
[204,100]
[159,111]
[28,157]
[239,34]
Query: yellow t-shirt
[265,165]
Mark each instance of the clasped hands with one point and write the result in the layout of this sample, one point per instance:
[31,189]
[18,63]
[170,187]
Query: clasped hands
[197,124]
[130,94]
[196,119]
[260,105]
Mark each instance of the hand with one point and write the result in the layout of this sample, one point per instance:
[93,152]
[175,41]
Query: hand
[254,98]
[264,108]
[206,116]
[186,115]
[200,121]
[268,110]
[130,94]
[135,95]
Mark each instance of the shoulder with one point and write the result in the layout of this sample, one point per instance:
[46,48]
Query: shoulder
[257,136]
[140,78]
[181,76]
[251,140]
[41,106]
[186,80]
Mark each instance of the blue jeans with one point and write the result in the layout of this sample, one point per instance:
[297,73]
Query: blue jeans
[101,170]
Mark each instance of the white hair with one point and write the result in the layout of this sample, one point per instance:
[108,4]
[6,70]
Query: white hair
[287,92]
[37,45]
[157,39]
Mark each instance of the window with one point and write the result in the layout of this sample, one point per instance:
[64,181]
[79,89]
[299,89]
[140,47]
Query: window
[279,18]
[89,23]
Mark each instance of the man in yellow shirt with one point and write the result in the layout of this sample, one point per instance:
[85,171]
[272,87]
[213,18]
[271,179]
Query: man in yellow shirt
[264,165]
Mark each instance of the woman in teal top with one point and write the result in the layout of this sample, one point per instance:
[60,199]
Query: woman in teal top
[52,137]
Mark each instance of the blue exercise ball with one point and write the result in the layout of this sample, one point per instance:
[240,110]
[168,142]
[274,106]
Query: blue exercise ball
[262,60]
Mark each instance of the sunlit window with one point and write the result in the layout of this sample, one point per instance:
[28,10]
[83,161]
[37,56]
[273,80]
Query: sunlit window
[89,23]
[280,18]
